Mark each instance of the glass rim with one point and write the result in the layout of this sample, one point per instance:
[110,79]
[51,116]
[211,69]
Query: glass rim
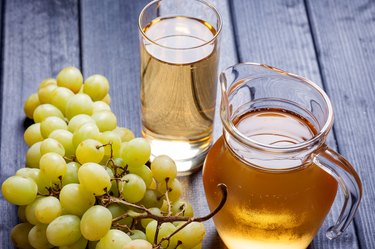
[210,5]
[317,138]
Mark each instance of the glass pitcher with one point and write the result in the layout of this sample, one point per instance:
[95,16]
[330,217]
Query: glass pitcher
[282,178]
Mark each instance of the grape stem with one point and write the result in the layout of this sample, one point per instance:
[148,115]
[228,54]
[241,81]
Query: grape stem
[123,227]
[146,213]
[167,197]
[182,212]
[117,175]
[70,159]
[107,199]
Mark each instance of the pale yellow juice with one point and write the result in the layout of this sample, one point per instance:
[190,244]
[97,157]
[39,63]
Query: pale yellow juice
[178,88]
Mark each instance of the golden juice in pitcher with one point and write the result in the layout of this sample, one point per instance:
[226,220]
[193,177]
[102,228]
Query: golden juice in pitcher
[268,209]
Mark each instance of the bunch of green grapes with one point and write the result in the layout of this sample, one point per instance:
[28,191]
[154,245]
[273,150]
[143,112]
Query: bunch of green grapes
[89,183]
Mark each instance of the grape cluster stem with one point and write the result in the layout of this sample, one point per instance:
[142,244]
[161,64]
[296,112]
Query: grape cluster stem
[107,199]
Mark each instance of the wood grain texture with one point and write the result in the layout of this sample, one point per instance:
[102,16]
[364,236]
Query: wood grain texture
[40,37]
[344,33]
[278,33]
[110,46]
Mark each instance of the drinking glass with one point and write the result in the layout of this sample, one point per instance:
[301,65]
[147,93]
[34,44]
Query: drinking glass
[281,176]
[179,46]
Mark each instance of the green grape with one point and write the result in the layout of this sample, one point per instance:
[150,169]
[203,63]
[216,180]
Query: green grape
[117,210]
[44,111]
[89,150]
[19,235]
[50,124]
[64,230]
[37,237]
[182,208]
[136,152]
[49,145]
[31,103]
[48,81]
[165,230]
[110,172]
[151,230]
[138,244]
[132,188]
[153,184]
[100,106]
[175,189]
[71,78]
[137,234]
[96,86]
[94,178]
[152,198]
[114,188]
[79,244]
[110,136]
[119,162]
[96,222]
[33,155]
[122,151]
[31,173]
[164,207]
[105,120]
[153,210]
[107,99]
[47,209]
[21,213]
[30,212]
[163,167]
[86,131]
[144,172]
[32,134]
[19,190]
[114,191]
[44,183]
[71,175]
[65,138]
[45,94]
[53,166]
[114,239]
[104,161]
[78,104]
[79,120]
[74,199]
[191,235]
[125,134]
[60,97]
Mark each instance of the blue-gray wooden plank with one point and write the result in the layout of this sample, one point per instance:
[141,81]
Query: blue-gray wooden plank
[110,46]
[40,37]
[278,33]
[344,34]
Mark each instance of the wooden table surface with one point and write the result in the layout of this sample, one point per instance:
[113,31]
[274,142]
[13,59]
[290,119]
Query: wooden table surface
[331,42]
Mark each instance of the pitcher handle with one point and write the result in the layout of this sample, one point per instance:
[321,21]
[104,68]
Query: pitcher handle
[348,179]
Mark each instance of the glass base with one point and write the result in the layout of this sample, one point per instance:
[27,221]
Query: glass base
[189,155]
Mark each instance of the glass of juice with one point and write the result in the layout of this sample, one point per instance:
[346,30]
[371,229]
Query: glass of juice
[281,176]
[179,47]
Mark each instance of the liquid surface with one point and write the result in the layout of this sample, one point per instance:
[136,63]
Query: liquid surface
[275,127]
[265,209]
[178,88]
